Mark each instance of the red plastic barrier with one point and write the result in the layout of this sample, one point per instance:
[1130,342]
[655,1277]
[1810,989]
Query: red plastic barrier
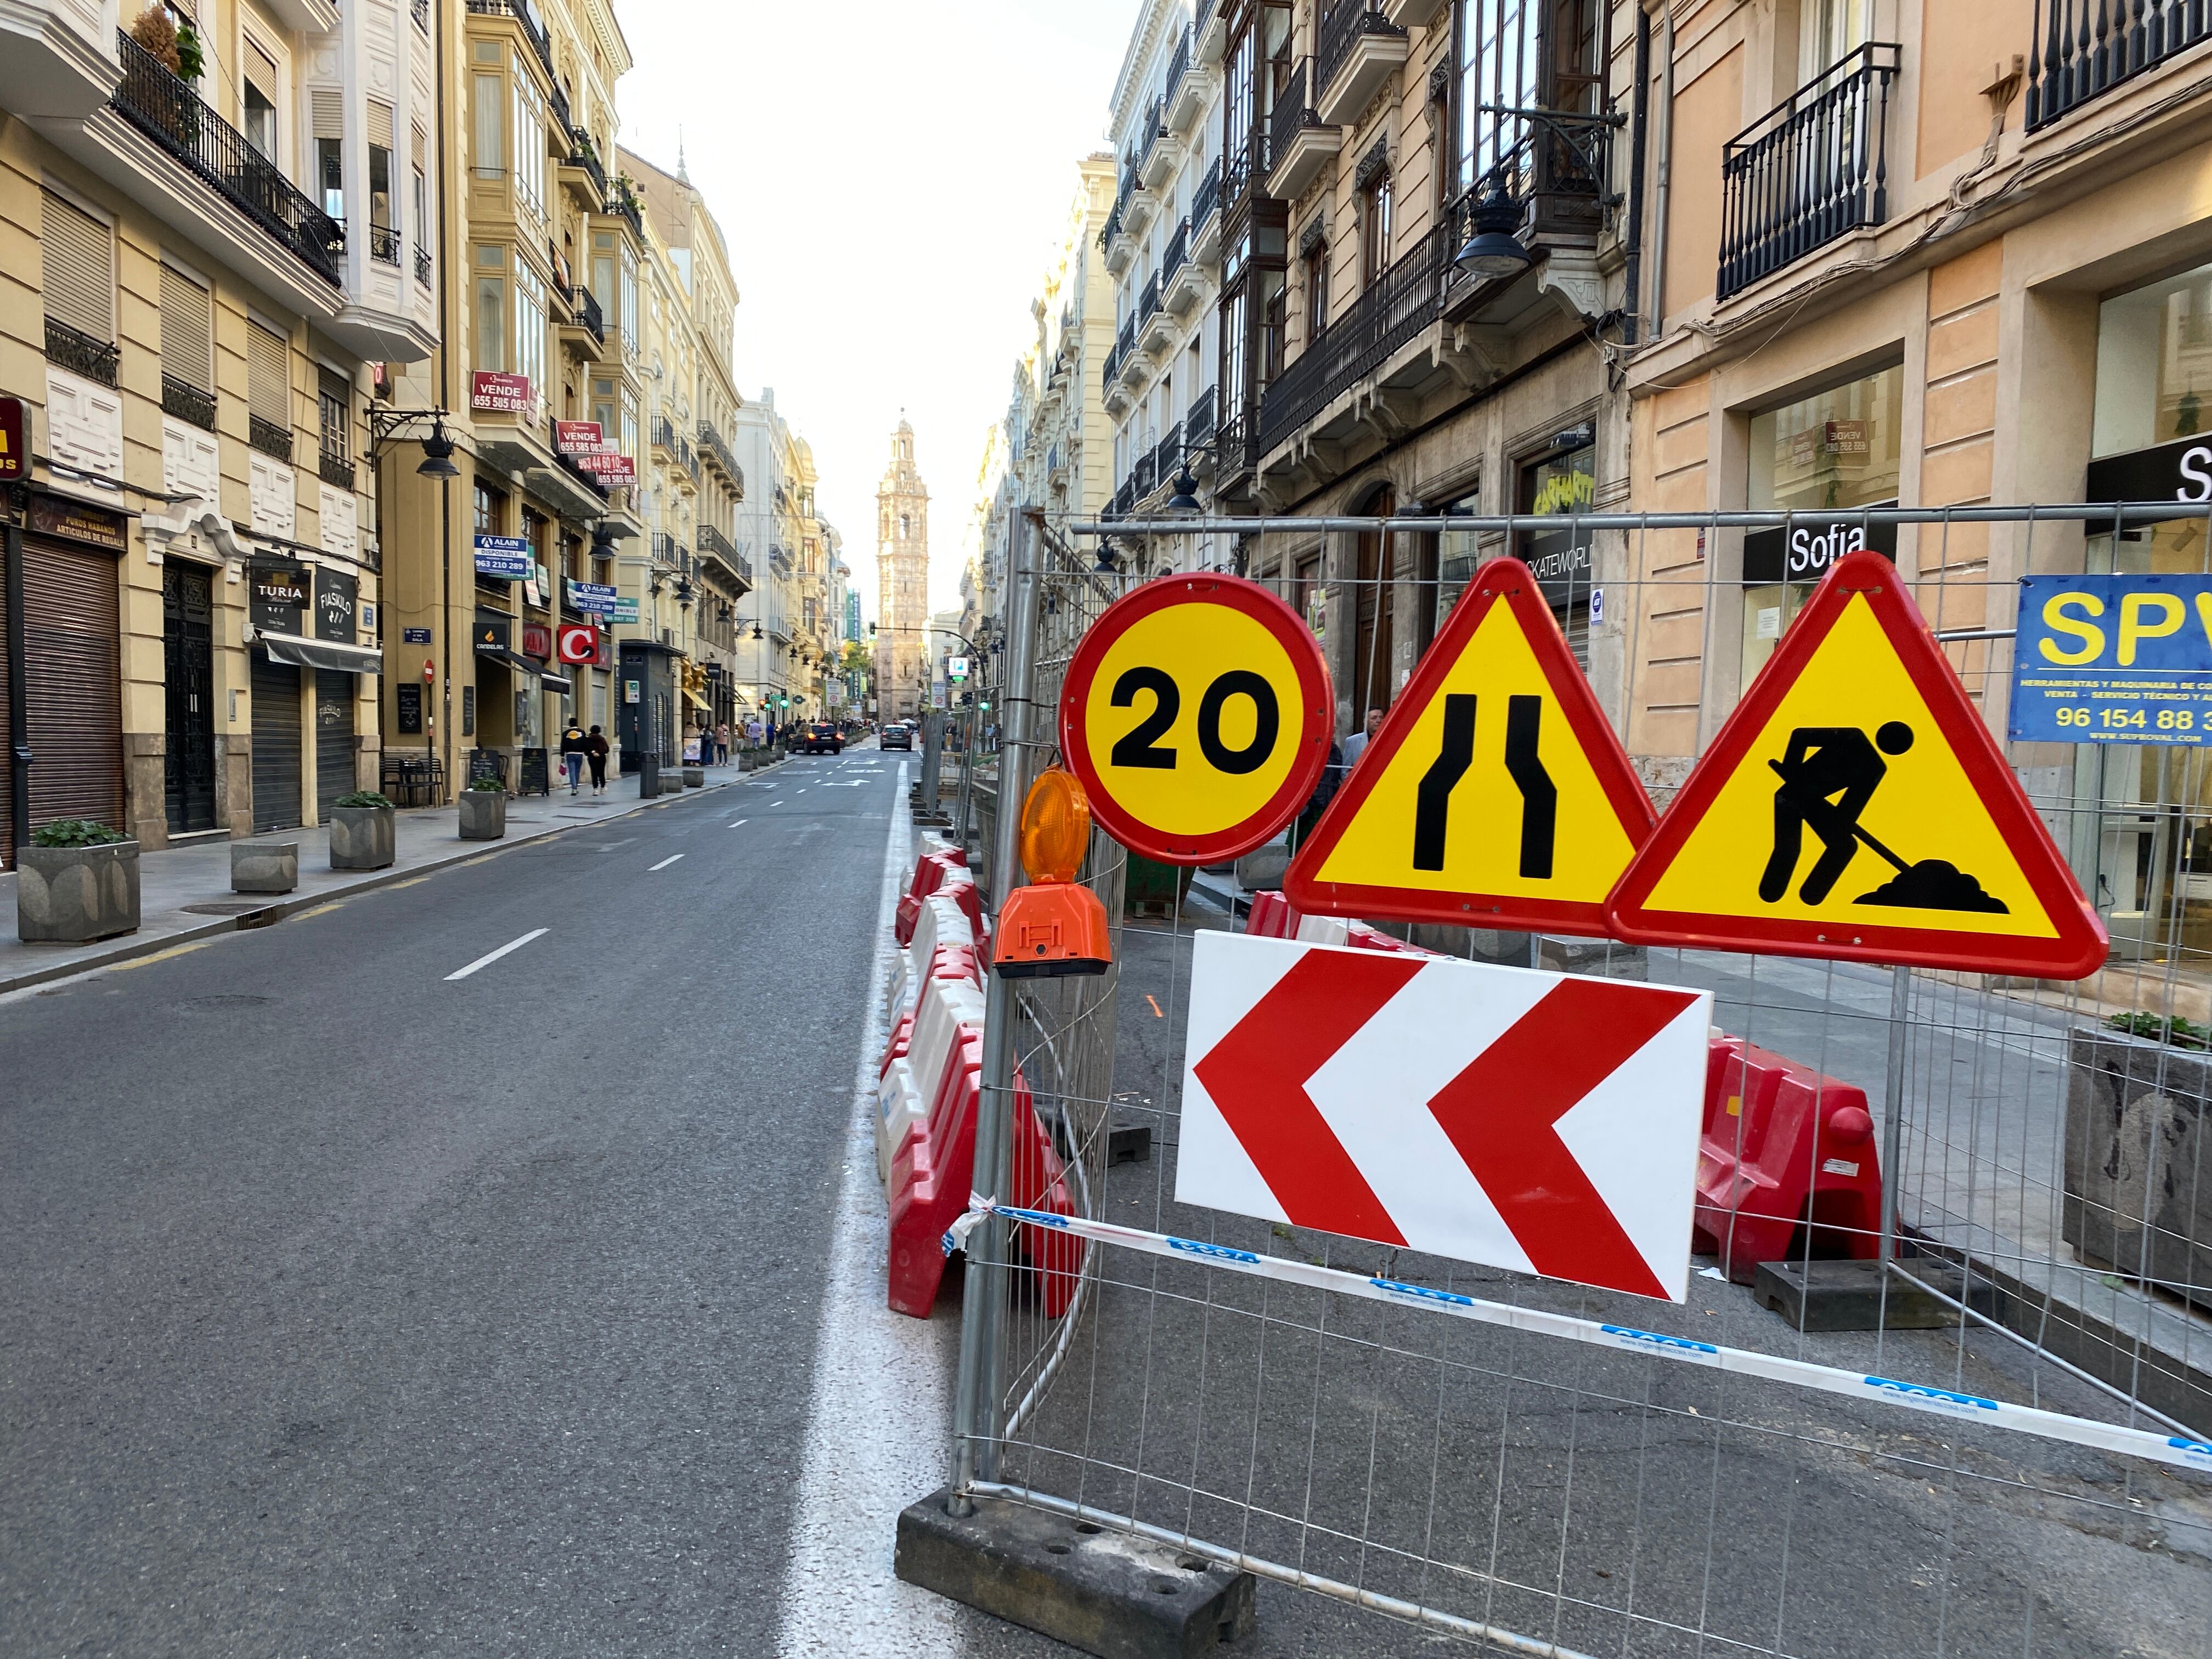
[902,1040]
[1360,937]
[930,872]
[933,1174]
[1783,1147]
[961,891]
[1272,917]
[946,962]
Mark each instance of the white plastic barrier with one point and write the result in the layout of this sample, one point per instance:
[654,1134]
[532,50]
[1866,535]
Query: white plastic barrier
[1323,930]
[942,921]
[910,1085]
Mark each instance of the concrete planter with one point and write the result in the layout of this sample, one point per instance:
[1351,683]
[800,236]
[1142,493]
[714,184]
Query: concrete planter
[363,838]
[2138,1198]
[265,867]
[483,814]
[73,894]
[694,777]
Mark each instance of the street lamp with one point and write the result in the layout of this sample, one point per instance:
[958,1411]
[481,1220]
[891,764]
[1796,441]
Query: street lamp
[1494,251]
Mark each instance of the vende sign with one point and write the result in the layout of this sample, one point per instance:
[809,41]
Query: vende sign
[1542,1123]
[499,394]
[609,467]
[578,437]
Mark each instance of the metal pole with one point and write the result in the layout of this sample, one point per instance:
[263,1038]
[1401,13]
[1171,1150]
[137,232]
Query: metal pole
[19,714]
[983,1300]
[1892,1106]
[932,750]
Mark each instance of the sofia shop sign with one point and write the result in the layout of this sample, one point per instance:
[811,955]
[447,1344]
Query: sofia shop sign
[2114,659]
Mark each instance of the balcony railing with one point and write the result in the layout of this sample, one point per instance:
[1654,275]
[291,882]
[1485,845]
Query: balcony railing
[1148,301]
[171,113]
[581,155]
[81,353]
[269,437]
[1340,31]
[336,470]
[623,205]
[531,29]
[1397,305]
[1154,115]
[188,403]
[1167,458]
[1812,169]
[664,434]
[1207,196]
[711,443]
[2083,49]
[1179,65]
[1141,476]
[1293,113]
[384,243]
[588,316]
[1198,425]
[1112,365]
[711,540]
[1178,249]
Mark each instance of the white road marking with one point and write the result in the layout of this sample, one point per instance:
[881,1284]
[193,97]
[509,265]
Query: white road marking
[665,863]
[489,957]
[877,1425]
[610,846]
[740,823]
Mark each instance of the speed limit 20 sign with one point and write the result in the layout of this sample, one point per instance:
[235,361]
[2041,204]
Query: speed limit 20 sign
[1197,711]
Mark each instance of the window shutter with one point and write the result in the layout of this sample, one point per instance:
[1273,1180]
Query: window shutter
[261,70]
[330,113]
[268,376]
[422,151]
[79,257]
[380,125]
[187,331]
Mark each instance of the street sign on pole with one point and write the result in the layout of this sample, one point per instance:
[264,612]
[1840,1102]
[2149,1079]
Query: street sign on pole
[1854,806]
[1537,1121]
[1496,794]
[1197,712]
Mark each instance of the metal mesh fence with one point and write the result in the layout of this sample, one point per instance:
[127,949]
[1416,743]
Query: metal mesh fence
[1508,1479]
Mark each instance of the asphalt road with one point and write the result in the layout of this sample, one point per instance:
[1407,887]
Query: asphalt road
[352,1307]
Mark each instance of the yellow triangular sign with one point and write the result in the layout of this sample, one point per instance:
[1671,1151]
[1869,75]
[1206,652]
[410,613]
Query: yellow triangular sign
[1496,794]
[1854,806]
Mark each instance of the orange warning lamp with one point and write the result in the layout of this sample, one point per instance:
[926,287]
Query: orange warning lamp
[1053,929]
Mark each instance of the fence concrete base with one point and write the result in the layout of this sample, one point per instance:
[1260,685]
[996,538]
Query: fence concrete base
[1848,1296]
[1103,1592]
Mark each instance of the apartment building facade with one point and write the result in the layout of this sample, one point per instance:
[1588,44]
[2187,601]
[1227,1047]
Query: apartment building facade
[1162,246]
[783,640]
[212,213]
[1368,368]
[1994,286]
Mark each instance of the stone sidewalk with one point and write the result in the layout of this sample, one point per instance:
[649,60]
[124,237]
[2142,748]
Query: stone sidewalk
[184,892]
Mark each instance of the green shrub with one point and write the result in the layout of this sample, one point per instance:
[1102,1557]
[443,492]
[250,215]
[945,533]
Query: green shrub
[2181,1033]
[76,832]
[361,797]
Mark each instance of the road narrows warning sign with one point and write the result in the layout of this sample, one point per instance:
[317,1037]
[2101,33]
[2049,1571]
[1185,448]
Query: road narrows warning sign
[1854,806]
[1496,794]
[1542,1122]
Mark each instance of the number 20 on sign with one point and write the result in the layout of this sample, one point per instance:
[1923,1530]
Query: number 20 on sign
[1197,711]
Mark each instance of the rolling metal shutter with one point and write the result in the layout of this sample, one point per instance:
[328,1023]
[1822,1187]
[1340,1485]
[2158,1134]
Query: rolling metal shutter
[80,269]
[72,661]
[267,375]
[275,745]
[187,331]
[335,690]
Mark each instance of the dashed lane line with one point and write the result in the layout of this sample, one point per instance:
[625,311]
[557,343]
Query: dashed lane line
[490,957]
[665,863]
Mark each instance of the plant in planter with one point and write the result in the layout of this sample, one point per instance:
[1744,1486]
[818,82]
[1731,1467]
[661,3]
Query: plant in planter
[76,881]
[483,810]
[364,832]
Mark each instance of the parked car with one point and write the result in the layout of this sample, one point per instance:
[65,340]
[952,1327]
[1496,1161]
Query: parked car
[822,738]
[898,735]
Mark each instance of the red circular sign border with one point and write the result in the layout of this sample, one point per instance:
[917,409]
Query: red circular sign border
[1271,613]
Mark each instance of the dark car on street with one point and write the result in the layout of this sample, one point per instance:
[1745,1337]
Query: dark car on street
[822,738]
[898,735]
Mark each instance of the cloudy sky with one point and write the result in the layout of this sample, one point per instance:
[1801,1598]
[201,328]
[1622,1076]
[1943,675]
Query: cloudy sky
[891,178]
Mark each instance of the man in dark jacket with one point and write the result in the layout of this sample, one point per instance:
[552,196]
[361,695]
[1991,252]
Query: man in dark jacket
[595,751]
[572,755]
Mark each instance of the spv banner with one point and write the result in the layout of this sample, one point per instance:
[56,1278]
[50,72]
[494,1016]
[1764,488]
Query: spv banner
[2119,658]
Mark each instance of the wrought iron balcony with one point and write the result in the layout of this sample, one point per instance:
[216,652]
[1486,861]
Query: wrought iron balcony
[1207,196]
[664,435]
[1178,247]
[1148,301]
[81,353]
[2081,49]
[336,470]
[532,30]
[1293,111]
[1812,169]
[622,204]
[1396,307]
[1178,65]
[1112,366]
[1153,132]
[1141,478]
[384,243]
[713,541]
[1347,23]
[1167,456]
[1198,425]
[171,113]
[269,437]
[582,155]
[188,403]
[586,306]
[712,445]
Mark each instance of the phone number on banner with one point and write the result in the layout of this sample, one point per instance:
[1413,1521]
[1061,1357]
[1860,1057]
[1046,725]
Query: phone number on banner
[2119,658]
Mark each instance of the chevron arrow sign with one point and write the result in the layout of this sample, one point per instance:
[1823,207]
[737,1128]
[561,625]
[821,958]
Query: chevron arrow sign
[1543,1122]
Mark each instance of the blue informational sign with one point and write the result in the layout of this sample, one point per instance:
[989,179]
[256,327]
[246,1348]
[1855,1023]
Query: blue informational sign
[591,598]
[2114,659]
[503,558]
[415,636]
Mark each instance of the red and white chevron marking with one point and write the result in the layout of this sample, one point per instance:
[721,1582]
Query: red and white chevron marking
[1542,1122]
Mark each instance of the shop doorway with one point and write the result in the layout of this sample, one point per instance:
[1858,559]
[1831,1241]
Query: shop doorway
[334,738]
[276,740]
[188,659]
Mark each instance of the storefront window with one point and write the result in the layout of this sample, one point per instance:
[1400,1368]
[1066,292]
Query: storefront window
[1821,457]
[1457,554]
[1563,482]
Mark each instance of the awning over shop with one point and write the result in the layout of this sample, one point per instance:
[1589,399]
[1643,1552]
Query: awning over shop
[557,681]
[698,701]
[319,654]
[514,660]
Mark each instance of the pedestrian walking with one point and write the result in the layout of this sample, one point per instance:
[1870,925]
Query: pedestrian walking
[722,744]
[595,751]
[572,751]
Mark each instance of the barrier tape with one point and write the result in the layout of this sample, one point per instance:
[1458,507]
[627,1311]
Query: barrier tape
[2175,1450]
